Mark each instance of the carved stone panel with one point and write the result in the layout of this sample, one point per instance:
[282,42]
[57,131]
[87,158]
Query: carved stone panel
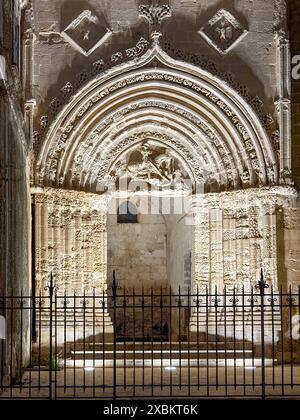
[223,31]
[86,32]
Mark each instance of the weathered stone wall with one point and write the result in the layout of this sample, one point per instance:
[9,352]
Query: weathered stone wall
[14,230]
[15,224]
[294,18]
[138,251]
[180,258]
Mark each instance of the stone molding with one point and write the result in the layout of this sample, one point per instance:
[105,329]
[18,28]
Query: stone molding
[173,77]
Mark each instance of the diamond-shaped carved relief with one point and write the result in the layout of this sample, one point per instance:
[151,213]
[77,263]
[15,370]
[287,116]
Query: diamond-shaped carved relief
[223,31]
[86,32]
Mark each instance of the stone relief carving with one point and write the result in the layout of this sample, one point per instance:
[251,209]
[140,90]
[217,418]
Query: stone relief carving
[103,166]
[155,14]
[280,15]
[249,236]
[291,219]
[132,53]
[154,165]
[77,251]
[223,31]
[177,80]
[83,154]
[86,33]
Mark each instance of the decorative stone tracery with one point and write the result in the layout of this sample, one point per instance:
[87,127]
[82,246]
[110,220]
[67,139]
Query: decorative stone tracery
[246,164]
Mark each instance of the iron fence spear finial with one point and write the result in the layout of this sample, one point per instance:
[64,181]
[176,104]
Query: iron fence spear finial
[262,284]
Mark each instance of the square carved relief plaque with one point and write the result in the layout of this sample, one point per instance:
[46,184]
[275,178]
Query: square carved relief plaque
[86,32]
[223,31]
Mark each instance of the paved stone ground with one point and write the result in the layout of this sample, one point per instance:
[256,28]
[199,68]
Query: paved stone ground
[85,380]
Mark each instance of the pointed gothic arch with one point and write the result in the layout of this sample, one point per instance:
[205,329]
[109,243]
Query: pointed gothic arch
[214,131]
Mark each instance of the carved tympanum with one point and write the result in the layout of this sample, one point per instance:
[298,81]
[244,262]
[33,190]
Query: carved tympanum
[153,165]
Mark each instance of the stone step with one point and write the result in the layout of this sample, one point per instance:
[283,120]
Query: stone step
[158,355]
[164,346]
[170,364]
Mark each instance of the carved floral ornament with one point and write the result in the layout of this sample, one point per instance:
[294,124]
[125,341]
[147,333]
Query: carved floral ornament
[235,204]
[204,117]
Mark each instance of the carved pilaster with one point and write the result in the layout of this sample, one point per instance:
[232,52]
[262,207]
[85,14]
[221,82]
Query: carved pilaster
[283,103]
[201,246]
[29,114]
[216,248]
[269,249]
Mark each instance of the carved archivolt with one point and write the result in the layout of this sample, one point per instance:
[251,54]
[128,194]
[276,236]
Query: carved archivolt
[211,120]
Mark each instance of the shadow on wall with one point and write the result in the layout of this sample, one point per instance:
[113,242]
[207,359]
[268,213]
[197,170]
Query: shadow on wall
[73,66]
[77,69]
[190,41]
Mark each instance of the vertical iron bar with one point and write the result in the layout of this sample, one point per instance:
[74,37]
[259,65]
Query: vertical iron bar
[291,336]
[51,289]
[207,344]
[125,340]
[114,298]
[252,337]
[234,337]
[40,340]
[273,337]
[282,340]
[103,306]
[216,337]
[152,343]
[30,317]
[198,343]
[180,338]
[134,345]
[171,349]
[225,338]
[189,342]
[74,344]
[21,342]
[11,344]
[262,286]
[3,348]
[143,338]
[161,339]
[3,353]
[244,350]
[84,341]
[93,343]
[56,359]
[65,342]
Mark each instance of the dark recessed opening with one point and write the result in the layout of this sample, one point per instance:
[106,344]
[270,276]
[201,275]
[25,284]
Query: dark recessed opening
[127,213]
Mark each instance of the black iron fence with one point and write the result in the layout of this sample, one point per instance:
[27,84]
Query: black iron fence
[151,344]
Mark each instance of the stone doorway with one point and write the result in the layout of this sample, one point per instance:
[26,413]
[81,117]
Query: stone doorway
[148,253]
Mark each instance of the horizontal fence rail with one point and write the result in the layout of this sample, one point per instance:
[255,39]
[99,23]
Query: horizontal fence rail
[151,344]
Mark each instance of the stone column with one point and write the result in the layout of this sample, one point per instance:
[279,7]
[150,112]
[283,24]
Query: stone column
[201,245]
[229,248]
[269,254]
[283,103]
[216,249]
